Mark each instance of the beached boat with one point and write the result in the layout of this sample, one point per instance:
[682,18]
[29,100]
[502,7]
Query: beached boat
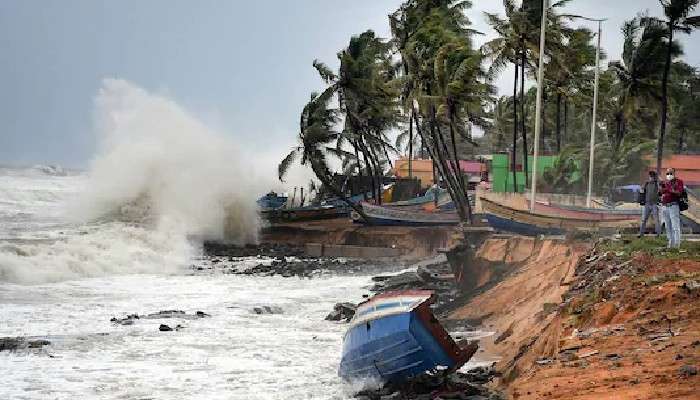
[429,197]
[271,201]
[381,215]
[595,214]
[505,218]
[308,213]
[394,336]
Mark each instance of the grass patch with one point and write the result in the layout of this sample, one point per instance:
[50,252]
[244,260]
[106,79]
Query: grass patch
[653,246]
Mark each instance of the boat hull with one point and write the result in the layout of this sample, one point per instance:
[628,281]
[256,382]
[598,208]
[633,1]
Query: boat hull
[508,225]
[304,214]
[379,215]
[395,341]
[506,218]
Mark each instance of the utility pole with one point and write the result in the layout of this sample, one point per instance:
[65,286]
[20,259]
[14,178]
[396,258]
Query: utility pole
[595,110]
[538,107]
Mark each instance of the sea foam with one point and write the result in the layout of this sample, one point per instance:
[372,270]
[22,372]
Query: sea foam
[161,181]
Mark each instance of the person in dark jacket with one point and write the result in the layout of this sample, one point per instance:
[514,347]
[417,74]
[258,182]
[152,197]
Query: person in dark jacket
[650,196]
[671,191]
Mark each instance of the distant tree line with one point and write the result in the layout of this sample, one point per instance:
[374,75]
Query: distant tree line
[433,86]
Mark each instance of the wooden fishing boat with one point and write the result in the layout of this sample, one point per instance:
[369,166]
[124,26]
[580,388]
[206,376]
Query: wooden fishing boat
[380,215]
[501,217]
[394,336]
[586,213]
[305,213]
[429,197]
[271,201]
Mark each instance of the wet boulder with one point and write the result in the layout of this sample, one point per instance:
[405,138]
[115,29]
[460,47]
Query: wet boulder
[267,310]
[342,311]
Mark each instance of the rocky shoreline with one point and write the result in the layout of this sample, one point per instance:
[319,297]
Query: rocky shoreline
[433,274]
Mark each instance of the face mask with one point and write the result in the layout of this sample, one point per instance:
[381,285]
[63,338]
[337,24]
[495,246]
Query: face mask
[669,177]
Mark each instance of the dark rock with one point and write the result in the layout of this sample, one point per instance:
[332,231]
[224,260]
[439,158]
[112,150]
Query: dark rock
[19,343]
[37,344]
[164,328]
[342,311]
[261,310]
[688,371]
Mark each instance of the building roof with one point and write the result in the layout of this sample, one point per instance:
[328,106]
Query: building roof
[420,165]
[682,162]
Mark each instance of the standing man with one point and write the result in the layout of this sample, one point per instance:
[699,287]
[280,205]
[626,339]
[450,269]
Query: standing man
[650,196]
[671,191]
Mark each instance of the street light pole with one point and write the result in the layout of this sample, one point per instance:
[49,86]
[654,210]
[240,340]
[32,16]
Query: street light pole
[538,107]
[593,119]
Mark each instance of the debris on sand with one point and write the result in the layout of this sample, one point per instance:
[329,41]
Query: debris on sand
[457,385]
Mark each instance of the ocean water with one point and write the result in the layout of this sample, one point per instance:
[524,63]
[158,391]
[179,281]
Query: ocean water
[80,247]
[234,354]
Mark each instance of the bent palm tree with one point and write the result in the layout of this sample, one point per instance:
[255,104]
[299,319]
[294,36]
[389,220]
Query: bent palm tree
[317,141]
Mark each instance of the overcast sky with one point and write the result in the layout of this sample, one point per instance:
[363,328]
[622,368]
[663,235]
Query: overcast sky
[242,66]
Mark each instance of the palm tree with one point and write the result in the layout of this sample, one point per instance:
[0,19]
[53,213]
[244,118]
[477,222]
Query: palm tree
[367,97]
[317,139]
[678,19]
[426,32]
[569,71]
[519,38]
[504,49]
[638,73]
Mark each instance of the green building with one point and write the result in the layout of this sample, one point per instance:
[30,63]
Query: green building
[502,174]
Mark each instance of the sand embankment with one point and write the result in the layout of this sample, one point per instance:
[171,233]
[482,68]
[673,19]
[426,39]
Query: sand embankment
[618,321]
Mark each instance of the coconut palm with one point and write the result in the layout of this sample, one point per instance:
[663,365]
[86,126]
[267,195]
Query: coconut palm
[638,73]
[367,97]
[317,139]
[677,19]
[433,39]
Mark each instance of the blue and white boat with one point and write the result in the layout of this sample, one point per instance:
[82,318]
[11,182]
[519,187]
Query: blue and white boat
[394,336]
[272,201]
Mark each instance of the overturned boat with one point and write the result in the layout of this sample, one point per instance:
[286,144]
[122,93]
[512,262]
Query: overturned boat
[394,336]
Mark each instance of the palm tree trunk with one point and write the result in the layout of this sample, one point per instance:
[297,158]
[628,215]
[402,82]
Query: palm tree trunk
[566,118]
[443,168]
[378,173]
[664,99]
[681,136]
[323,175]
[410,146]
[515,127]
[558,123]
[359,168]
[368,165]
[523,131]
[544,122]
[459,170]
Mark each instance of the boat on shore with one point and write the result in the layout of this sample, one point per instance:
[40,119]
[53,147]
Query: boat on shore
[504,218]
[271,201]
[381,215]
[394,336]
[308,213]
[596,214]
